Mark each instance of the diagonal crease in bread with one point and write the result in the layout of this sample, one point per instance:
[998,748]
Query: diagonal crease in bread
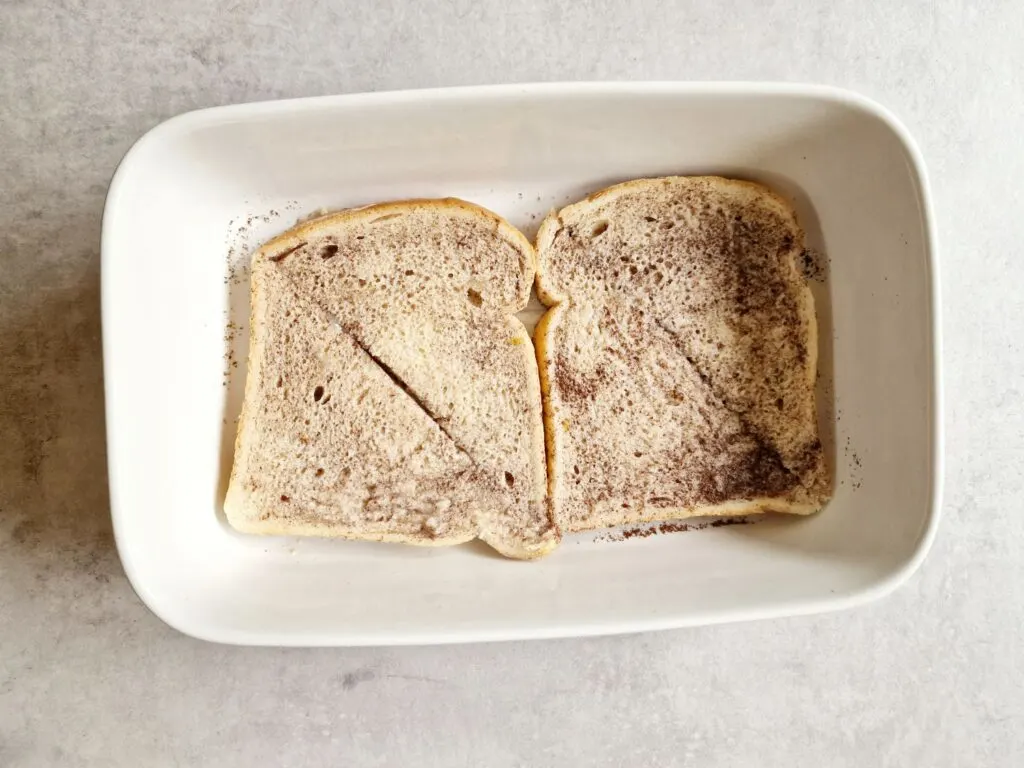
[678,358]
[423,386]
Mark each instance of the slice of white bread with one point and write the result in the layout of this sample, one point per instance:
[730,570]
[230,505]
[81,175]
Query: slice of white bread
[678,359]
[432,433]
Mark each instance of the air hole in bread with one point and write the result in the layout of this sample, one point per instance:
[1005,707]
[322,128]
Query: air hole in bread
[360,237]
[510,479]
[318,393]
[599,228]
[320,472]
[280,382]
[474,297]
[658,277]
[779,403]
[385,218]
[329,251]
[285,498]
[575,469]
[638,454]
[649,218]
[666,225]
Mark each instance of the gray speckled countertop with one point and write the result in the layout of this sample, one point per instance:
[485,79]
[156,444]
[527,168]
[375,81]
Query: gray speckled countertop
[931,676]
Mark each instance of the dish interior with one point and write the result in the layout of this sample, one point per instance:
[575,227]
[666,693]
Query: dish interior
[198,193]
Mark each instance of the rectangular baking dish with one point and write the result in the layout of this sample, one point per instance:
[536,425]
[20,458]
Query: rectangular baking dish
[197,193]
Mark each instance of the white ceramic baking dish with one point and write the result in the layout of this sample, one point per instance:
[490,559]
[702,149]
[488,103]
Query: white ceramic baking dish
[197,192]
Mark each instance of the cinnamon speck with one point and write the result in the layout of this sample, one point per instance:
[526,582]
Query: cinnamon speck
[813,264]
[646,531]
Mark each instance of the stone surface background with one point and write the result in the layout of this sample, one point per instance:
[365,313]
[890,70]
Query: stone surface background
[931,676]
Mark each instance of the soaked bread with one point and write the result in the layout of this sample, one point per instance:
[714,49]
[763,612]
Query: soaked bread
[391,393]
[678,355]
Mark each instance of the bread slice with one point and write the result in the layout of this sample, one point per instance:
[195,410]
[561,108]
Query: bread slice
[404,377]
[678,358]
